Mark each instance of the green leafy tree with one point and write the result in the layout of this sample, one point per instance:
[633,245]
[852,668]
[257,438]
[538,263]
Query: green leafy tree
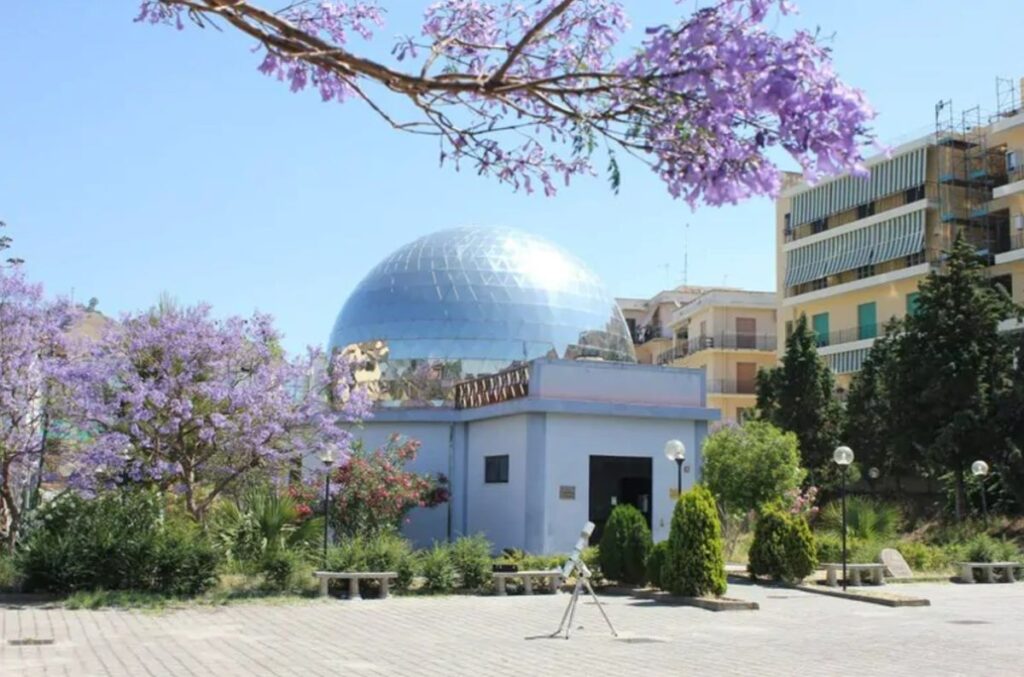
[875,416]
[746,467]
[799,396]
[1010,422]
[625,545]
[953,366]
[694,564]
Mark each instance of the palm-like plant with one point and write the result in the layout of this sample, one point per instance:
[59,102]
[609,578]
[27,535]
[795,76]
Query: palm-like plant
[261,523]
[866,519]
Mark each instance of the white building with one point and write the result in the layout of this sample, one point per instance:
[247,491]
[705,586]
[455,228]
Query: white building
[506,359]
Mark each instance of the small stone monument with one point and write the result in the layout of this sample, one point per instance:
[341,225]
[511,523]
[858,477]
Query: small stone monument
[895,565]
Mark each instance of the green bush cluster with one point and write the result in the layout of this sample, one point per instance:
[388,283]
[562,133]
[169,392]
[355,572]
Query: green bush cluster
[116,541]
[695,565]
[386,551]
[783,547]
[985,548]
[471,557]
[625,545]
[655,563]
[438,571]
[10,576]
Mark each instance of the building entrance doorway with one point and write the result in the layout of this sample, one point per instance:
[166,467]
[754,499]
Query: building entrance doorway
[615,480]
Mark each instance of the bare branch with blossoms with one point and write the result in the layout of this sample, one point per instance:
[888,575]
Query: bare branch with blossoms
[527,91]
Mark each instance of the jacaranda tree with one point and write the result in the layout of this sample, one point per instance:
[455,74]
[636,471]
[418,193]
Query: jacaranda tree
[177,399]
[31,349]
[525,91]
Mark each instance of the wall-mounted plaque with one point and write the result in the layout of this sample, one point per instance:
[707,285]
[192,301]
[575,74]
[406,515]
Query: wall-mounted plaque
[567,493]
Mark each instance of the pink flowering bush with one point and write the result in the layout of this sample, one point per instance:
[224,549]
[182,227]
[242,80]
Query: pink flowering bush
[802,502]
[375,492]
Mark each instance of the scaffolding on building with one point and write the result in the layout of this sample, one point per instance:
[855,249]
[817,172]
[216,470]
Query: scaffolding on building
[968,169]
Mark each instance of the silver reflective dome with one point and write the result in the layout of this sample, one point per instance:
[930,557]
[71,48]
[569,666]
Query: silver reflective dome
[472,301]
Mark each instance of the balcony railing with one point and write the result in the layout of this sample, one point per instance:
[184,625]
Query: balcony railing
[722,340]
[506,385]
[677,352]
[864,331]
[720,386]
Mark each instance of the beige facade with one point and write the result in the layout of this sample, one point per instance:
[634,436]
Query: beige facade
[729,333]
[852,251]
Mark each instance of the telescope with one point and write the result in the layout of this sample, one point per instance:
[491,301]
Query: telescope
[576,565]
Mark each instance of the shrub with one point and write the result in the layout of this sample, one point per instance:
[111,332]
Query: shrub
[783,547]
[386,551]
[592,558]
[10,577]
[984,548]
[695,565]
[625,545]
[471,557]
[437,568]
[655,562]
[117,541]
[923,557]
[828,546]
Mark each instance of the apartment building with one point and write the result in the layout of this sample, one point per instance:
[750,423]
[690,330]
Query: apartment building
[851,251]
[649,320]
[729,333]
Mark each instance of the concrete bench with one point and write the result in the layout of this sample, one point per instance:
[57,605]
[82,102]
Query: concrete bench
[876,572]
[353,577]
[554,577]
[988,571]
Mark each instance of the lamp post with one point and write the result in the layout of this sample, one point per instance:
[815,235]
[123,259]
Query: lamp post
[327,458]
[843,456]
[980,469]
[676,451]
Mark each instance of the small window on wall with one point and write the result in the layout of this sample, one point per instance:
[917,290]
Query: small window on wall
[496,469]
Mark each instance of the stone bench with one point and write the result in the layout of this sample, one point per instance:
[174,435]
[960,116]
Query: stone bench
[554,577]
[876,572]
[988,571]
[353,577]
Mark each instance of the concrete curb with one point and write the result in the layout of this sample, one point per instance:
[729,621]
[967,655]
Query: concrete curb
[890,600]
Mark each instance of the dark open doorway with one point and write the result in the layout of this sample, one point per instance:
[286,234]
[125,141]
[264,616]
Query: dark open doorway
[615,480]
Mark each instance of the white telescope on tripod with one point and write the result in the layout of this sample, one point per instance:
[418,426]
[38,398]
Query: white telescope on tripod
[576,566]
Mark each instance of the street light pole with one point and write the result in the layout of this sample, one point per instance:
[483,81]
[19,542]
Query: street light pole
[843,456]
[676,451]
[980,470]
[327,458]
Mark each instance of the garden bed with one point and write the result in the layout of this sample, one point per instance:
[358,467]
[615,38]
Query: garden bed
[874,596]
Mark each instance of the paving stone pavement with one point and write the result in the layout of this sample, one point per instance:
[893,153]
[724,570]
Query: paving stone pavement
[968,630]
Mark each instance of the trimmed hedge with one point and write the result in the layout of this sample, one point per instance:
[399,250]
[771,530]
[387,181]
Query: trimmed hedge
[625,544]
[695,565]
[783,547]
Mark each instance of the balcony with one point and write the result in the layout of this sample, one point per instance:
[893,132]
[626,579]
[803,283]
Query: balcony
[720,386]
[1014,184]
[720,341]
[861,333]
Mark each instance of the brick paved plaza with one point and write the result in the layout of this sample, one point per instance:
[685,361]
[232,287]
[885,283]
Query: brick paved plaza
[968,630]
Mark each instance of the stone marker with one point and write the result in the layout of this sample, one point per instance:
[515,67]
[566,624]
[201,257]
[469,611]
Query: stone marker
[895,564]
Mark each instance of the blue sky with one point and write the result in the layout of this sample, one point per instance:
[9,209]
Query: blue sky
[136,160]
